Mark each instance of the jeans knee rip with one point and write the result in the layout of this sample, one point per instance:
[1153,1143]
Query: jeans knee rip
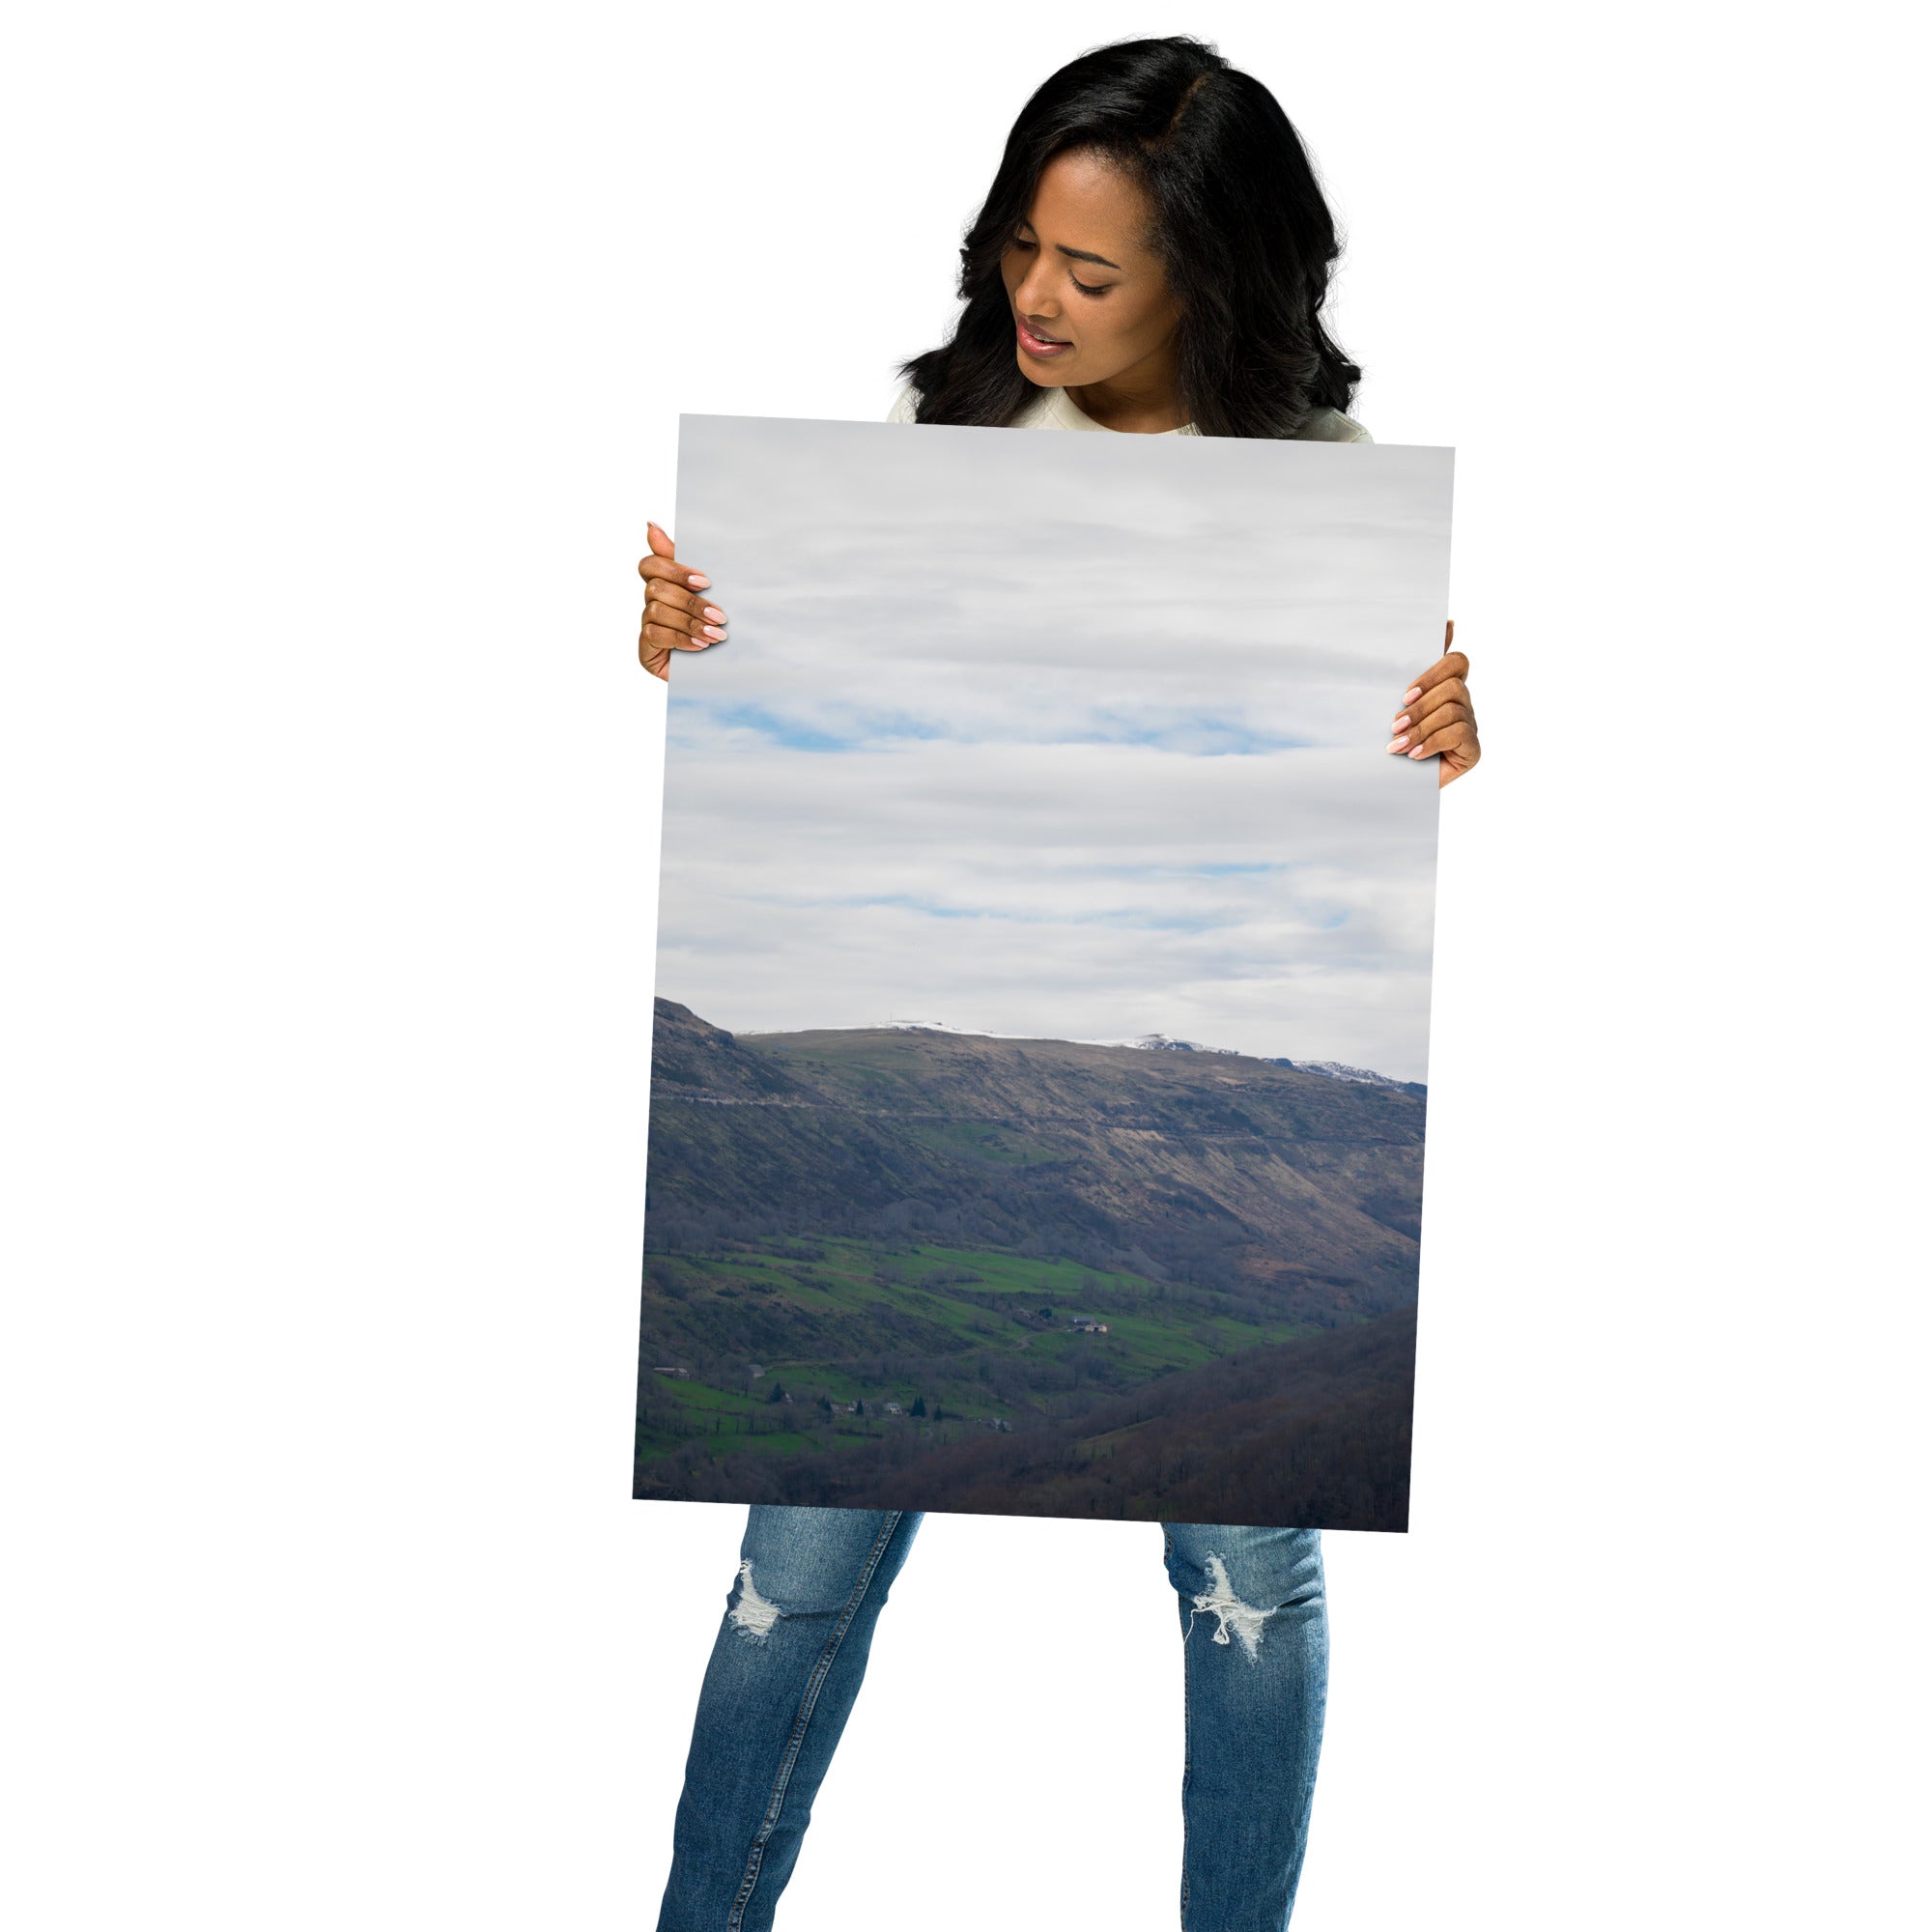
[752,1616]
[1243,1620]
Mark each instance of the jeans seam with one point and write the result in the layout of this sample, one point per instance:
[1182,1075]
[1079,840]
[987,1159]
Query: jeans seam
[807,1706]
[1186,1762]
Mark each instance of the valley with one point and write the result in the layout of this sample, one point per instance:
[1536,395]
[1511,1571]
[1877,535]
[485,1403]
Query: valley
[896,1250]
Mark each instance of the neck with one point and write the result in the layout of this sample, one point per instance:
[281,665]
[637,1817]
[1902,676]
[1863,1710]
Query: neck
[1143,399]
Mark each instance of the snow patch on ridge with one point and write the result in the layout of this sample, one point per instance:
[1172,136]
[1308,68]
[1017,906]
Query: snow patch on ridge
[1159,1043]
[1334,1069]
[1147,1043]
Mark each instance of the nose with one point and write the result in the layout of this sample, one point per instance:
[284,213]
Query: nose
[1033,297]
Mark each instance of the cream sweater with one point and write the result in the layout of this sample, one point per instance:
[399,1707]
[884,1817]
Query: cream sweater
[1055,409]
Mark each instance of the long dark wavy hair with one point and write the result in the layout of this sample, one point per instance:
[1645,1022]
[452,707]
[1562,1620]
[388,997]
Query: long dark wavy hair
[1242,229]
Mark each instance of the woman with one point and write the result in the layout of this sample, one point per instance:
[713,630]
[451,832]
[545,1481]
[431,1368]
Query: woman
[1151,260]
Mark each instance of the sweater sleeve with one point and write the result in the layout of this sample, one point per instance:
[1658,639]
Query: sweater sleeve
[1331,426]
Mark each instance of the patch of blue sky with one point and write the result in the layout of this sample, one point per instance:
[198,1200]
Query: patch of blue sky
[823,728]
[1202,735]
[1136,919]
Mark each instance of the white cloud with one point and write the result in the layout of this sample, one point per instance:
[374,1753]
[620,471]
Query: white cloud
[1063,735]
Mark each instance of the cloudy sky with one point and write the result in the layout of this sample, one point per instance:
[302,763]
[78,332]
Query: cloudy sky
[1072,736]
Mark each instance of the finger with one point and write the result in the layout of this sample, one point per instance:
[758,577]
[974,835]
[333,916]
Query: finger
[653,660]
[1425,727]
[674,637]
[1451,664]
[1433,721]
[654,567]
[1439,718]
[1458,737]
[675,597]
[1451,691]
[662,637]
[691,623]
[1435,707]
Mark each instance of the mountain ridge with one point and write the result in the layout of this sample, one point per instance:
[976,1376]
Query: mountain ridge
[1147,1042]
[1229,1171]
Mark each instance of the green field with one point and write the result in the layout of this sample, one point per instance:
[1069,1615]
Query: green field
[973,1336]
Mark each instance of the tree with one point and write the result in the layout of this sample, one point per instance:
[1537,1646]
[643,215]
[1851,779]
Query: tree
[918,1406]
[778,1393]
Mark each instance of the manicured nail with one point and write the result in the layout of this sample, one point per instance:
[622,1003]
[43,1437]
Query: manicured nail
[700,644]
[1397,745]
[699,582]
[713,634]
[1400,723]
[716,617]
[1409,696]
[1417,753]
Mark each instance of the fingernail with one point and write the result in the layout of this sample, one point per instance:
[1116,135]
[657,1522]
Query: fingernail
[1396,746]
[713,634]
[716,617]
[1409,696]
[699,582]
[1417,753]
[700,644]
[1400,723]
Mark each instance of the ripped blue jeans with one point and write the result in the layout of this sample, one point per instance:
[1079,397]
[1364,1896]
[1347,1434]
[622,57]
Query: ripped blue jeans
[785,1670]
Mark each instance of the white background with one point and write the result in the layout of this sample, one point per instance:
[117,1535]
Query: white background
[346,346]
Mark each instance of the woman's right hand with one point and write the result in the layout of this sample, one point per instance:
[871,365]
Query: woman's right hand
[676,618]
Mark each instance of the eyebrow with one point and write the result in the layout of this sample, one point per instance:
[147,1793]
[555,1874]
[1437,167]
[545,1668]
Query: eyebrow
[1080,254]
[1088,255]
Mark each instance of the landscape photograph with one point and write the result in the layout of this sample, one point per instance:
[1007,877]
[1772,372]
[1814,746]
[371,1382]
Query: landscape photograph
[1037,1091]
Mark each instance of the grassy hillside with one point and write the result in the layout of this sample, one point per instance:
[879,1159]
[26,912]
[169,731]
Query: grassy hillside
[978,1334]
[913,1237]
[1216,1169]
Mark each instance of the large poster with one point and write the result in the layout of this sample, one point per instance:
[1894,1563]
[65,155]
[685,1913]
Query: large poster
[1039,1091]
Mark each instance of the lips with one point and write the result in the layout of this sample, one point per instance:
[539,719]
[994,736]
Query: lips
[1037,344]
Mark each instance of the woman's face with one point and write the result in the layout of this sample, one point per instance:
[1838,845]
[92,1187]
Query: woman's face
[1091,302]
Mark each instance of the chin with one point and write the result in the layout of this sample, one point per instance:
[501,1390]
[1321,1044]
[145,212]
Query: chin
[1038,377]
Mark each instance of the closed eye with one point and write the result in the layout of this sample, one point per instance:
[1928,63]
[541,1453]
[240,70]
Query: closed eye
[1085,288]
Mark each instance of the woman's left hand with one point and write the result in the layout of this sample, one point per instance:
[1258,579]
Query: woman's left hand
[1436,721]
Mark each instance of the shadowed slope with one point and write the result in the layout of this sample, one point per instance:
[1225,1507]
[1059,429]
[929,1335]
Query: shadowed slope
[1308,1433]
[1217,1169]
